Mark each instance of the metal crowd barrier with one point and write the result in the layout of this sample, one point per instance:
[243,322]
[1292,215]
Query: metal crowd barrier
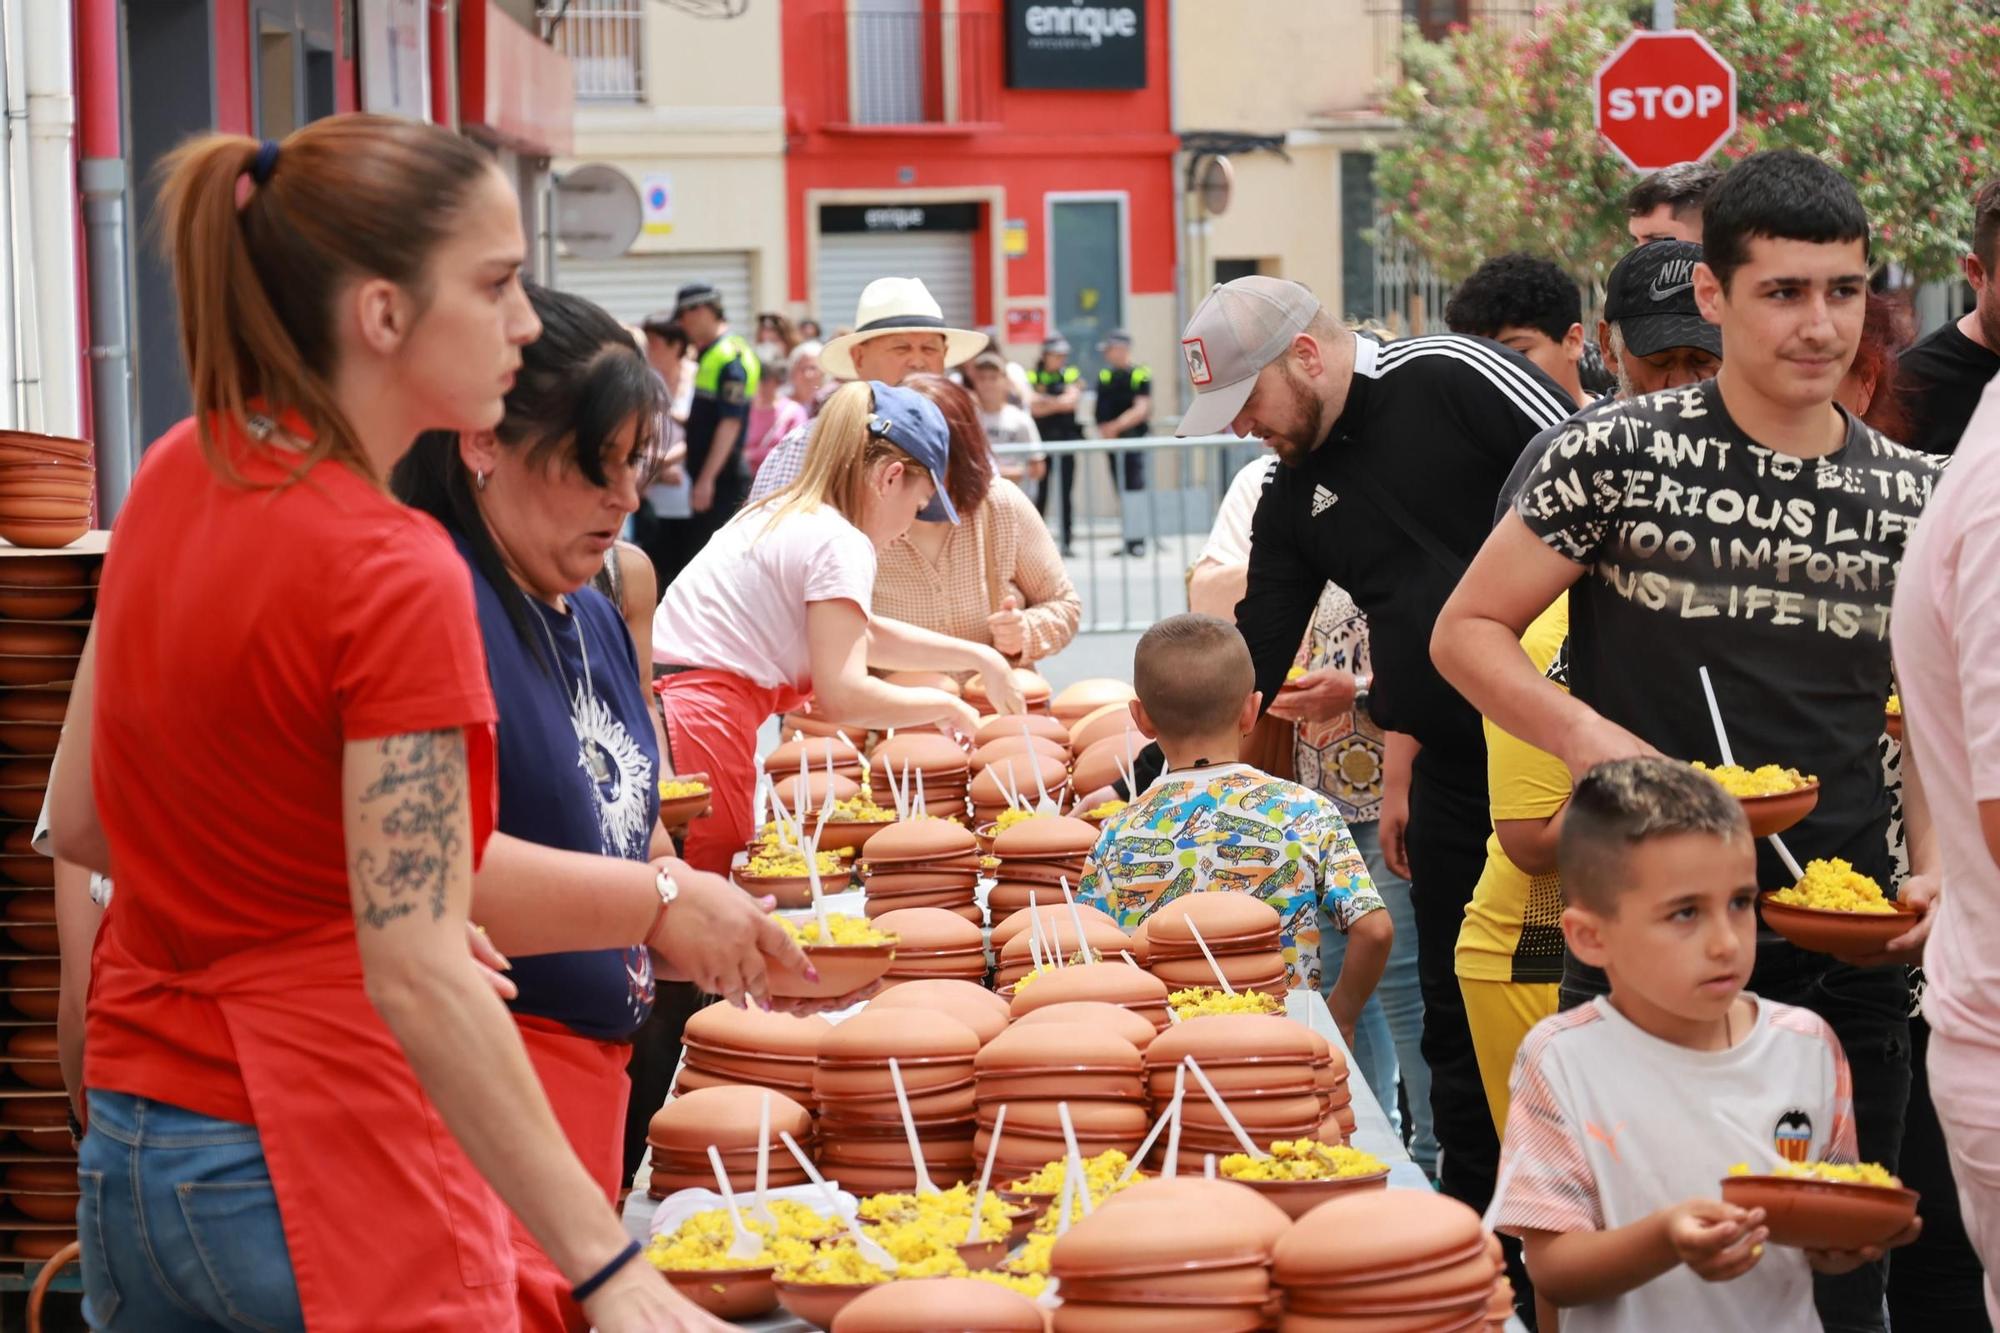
[1171,512]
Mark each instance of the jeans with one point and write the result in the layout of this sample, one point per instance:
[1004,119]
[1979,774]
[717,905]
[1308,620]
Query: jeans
[1868,1010]
[1388,1038]
[179,1223]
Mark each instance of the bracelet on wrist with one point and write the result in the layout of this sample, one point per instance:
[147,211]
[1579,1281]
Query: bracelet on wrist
[591,1285]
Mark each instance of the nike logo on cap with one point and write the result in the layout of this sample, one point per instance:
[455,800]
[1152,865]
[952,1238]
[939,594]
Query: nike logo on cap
[1675,278]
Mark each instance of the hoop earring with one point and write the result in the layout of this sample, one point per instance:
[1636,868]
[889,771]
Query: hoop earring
[479,480]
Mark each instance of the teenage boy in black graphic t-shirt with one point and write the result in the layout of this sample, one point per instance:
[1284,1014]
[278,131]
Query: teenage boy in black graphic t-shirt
[1747,525]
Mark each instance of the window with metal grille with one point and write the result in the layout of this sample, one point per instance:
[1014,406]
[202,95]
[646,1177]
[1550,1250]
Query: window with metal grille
[605,41]
[1434,18]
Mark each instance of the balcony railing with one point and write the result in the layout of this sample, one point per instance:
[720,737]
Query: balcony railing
[605,41]
[910,70]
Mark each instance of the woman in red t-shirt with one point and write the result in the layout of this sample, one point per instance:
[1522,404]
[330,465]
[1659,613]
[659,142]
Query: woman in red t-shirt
[297,1074]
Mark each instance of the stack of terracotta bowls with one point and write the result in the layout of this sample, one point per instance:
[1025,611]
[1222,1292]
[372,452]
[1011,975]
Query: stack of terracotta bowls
[727,1117]
[723,1045]
[1024,777]
[1036,856]
[1094,1013]
[45,489]
[1386,1259]
[962,1304]
[1057,940]
[816,751]
[1241,931]
[933,943]
[1035,691]
[1260,1065]
[946,772]
[1034,1070]
[1336,1100]
[1121,984]
[985,755]
[1185,1254]
[971,1004]
[805,793]
[1104,762]
[921,863]
[1016,922]
[1076,702]
[1037,724]
[862,1142]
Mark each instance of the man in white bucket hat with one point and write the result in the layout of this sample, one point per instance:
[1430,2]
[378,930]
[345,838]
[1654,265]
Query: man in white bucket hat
[899,331]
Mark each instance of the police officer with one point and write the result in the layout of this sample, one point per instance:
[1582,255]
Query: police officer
[1123,410]
[1057,391]
[725,380]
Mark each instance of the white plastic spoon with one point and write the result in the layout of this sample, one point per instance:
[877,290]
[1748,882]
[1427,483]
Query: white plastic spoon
[1213,966]
[869,1250]
[1075,918]
[761,1210]
[1075,1154]
[745,1245]
[1153,1134]
[1171,1166]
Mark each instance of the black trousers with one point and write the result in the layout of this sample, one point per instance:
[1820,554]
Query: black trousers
[656,1053]
[1868,1010]
[673,543]
[1449,823]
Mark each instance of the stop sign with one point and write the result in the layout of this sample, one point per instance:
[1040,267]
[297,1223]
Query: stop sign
[1665,97]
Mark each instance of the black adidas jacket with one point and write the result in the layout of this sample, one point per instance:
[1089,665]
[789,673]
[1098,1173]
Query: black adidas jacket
[1431,428]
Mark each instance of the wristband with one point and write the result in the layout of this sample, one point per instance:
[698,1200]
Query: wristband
[590,1286]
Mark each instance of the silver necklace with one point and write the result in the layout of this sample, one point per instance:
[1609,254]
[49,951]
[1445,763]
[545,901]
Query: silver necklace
[587,750]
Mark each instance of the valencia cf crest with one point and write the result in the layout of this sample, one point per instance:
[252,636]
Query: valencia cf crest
[1793,1136]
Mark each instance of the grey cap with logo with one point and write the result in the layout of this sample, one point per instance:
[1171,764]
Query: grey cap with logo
[1241,327]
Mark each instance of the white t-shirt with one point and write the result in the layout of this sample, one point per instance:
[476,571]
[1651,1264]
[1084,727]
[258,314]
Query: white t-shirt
[1229,539]
[740,605]
[1010,425]
[1609,1124]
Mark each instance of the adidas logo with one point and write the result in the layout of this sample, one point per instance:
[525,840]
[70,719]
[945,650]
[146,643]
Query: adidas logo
[1323,500]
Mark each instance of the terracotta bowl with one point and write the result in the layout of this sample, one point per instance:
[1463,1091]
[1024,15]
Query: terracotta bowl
[39,572]
[842,970]
[1823,1214]
[817,1303]
[43,1244]
[41,603]
[42,703]
[727,1293]
[679,812]
[36,668]
[1299,1197]
[983,1256]
[1840,934]
[30,737]
[33,871]
[42,533]
[792,892]
[847,835]
[46,1207]
[1775,814]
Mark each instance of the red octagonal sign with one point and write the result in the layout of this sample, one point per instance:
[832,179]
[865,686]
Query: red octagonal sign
[1665,97]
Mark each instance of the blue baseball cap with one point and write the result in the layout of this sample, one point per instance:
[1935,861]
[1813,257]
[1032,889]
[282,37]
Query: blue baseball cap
[913,424]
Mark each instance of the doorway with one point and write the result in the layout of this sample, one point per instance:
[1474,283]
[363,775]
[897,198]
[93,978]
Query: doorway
[1087,273]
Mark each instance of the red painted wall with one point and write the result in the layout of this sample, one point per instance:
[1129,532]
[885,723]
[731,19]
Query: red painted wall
[1028,141]
[234,110]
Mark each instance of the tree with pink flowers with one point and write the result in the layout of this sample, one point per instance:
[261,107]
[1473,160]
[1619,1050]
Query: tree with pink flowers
[1503,155]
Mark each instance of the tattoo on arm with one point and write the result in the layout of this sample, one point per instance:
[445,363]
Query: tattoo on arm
[415,803]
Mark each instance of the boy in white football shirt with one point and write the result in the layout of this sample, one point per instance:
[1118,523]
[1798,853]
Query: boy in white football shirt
[1628,1112]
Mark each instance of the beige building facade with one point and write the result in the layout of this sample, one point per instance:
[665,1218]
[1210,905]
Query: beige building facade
[692,110]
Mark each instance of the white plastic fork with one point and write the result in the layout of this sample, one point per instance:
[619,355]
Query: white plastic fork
[1075,1155]
[1152,1135]
[745,1245]
[1047,805]
[1213,966]
[1075,919]
[972,1230]
[924,1185]
[1222,1108]
[870,1250]
[1729,758]
[761,1210]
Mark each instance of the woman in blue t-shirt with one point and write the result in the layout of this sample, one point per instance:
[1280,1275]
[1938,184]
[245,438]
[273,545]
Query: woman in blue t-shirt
[578,885]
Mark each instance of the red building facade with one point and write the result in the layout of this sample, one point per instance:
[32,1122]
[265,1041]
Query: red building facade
[1016,155]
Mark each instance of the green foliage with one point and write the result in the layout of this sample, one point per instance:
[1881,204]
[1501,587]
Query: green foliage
[1503,154]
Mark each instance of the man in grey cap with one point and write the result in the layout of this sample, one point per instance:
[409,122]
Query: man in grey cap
[1392,456]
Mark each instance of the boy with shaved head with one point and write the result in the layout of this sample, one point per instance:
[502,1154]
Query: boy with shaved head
[1212,822]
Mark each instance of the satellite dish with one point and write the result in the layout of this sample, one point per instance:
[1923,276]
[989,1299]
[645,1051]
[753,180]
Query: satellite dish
[1217,185]
[598,213]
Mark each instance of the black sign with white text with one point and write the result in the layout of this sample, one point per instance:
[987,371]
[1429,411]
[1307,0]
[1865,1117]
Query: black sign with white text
[1076,44]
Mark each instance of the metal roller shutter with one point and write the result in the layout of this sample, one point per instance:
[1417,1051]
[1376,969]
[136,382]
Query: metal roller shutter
[634,286]
[850,261]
